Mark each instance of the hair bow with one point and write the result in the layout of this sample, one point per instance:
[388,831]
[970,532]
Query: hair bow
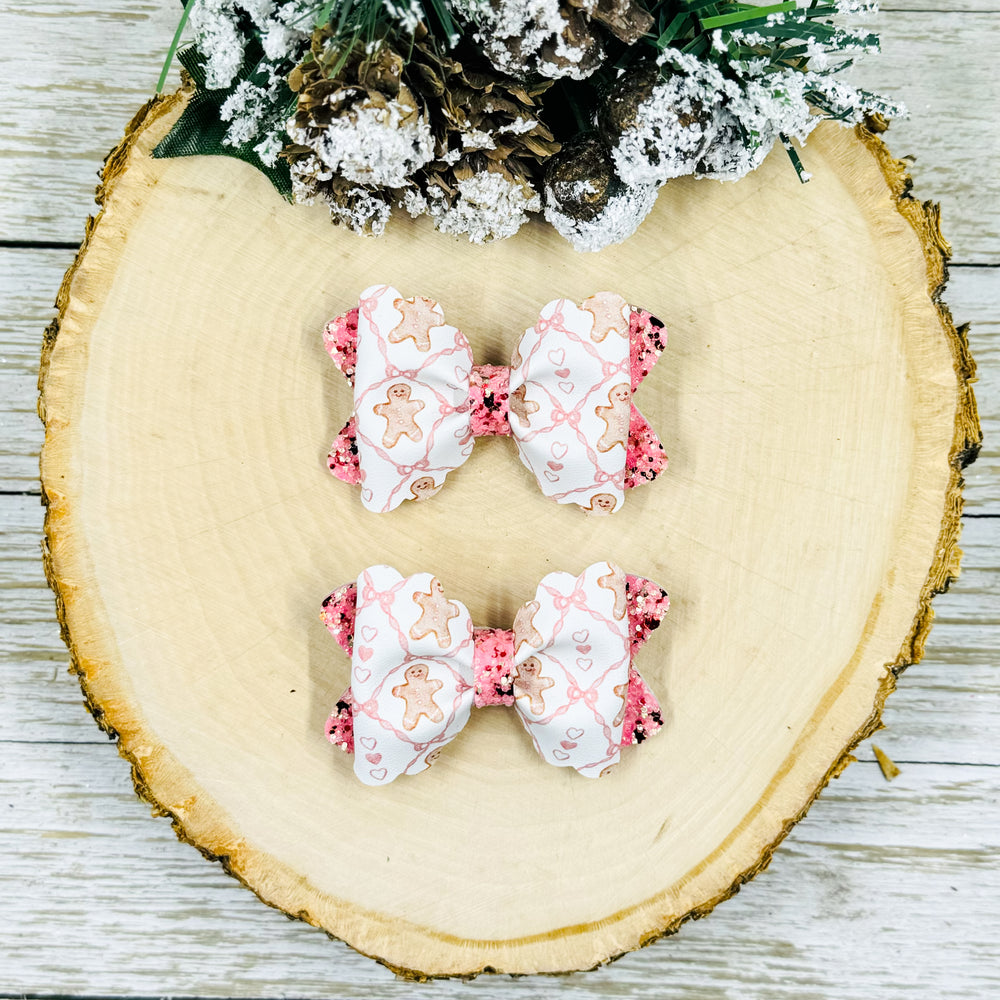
[418,668]
[566,399]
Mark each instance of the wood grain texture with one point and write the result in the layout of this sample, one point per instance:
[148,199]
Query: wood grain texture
[938,6]
[974,297]
[883,890]
[920,50]
[875,894]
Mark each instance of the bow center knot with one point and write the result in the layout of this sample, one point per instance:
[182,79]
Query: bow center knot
[493,666]
[489,398]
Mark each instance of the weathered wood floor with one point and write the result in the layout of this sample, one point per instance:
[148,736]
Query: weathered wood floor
[886,890]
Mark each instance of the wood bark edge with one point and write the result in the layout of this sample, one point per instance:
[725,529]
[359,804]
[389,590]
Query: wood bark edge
[923,217]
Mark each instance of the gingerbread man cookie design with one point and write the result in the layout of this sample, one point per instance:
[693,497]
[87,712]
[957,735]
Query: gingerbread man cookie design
[601,503]
[524,626]
[399,411]
[522,408]
[610,314]
[424,488]
[436,612]
[615,582]
[418,695]
[420,316]
[616,416]
[529,683]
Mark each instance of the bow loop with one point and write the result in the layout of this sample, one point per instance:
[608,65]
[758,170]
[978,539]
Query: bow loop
[572,667]
[411,394]
[411,673]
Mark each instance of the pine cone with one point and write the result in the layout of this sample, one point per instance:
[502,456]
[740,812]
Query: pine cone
[656,123]
[356,135]
[414,132]
[523,40]
[580,178]
[477,112]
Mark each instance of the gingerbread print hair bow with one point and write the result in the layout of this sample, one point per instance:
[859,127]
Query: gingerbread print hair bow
[418,668]
[566,399]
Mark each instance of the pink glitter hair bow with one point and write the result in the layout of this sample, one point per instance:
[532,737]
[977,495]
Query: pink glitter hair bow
[418,668]
[566,399]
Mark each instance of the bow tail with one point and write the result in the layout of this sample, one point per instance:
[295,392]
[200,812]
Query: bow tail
[586,735]
[435,713]
[647,341]
[340,338]
[343,458]
[645,457]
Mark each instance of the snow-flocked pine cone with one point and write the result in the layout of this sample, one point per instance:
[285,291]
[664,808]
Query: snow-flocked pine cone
[553,38]
[656,122]
[356,135]
[441,134]
[580,178]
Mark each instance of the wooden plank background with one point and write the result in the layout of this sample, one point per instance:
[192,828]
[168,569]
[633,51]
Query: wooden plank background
[884,890]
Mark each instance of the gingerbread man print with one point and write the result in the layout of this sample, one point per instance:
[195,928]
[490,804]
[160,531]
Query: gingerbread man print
[524,626]
[610,314]
[601,503]
[420,316]
[436,613]
[399,412]
[616,416]
[529,683]
[615,582]
[522,408]
[418,695]
[424,488]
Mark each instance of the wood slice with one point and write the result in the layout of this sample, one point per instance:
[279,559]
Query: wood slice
[815,403]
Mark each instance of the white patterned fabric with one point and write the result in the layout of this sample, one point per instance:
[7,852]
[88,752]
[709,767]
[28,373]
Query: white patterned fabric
[411,673]
[572,664]
[572,381]
[570,399]
[411,397]
[412,670]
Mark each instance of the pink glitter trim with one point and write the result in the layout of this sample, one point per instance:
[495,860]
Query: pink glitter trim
[647,340]
[647,607]
[340,725]
[338,614]
[492,655]
[645,457]
[343,459]
[494,650]
[643,717]
[340,338]
[488,394]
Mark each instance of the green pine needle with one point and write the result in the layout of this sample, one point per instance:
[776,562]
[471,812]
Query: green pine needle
[747,14]
[794,157]
[672,30]
[188,4]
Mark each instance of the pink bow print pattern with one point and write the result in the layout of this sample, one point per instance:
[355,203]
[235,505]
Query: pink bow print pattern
[418,668]
[566,400]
